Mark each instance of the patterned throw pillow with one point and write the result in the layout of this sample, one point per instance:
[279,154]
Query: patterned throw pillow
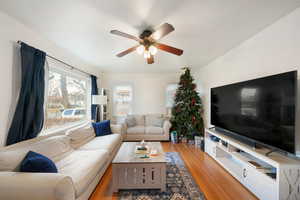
[130,121]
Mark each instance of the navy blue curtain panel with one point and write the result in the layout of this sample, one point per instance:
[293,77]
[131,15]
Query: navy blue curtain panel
[94,92]
[29,114]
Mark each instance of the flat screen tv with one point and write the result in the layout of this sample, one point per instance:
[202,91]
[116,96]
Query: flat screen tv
[260,110]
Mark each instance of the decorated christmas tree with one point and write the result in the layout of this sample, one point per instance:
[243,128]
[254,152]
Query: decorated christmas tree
[186,117]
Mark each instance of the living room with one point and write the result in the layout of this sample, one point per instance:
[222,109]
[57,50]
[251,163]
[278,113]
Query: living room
[149,100]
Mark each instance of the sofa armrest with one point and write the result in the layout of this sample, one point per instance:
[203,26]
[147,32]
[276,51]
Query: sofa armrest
[166,127]
[36,186]
[117,128]
[125,127]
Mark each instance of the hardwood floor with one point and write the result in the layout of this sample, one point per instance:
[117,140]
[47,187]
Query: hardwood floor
[212,179]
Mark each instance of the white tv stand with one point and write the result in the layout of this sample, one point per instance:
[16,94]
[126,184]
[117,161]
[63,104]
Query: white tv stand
[277,177]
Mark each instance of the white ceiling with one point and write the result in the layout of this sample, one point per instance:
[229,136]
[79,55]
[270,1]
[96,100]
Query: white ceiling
[204,29]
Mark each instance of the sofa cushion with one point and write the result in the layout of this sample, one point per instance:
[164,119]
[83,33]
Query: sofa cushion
[81,135]
[107,142]
[154,120]
[130,121]
[35,162]
[55,148]
[152,130]
[136,130]
[82,167]
[102,128]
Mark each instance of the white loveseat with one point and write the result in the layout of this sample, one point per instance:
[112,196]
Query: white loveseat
[80,157]
[154,127]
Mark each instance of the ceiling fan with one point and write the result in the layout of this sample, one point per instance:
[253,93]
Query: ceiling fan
[148,42]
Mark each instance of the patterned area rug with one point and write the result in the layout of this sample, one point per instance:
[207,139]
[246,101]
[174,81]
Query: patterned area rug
[180,184]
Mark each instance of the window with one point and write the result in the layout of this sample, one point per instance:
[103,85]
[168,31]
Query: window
[122,100]
[68,99]
[170,94]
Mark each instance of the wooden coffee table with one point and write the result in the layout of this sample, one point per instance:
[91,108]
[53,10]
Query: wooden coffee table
[132,172]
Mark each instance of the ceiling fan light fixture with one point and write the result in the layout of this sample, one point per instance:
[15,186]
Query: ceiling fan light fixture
[147,54]
[152,50]
[148,42]
[140,50]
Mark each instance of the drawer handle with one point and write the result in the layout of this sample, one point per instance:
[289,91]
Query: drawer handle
[244,173]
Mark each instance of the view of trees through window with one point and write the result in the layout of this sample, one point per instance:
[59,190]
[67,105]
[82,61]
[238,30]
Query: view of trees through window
[67,99]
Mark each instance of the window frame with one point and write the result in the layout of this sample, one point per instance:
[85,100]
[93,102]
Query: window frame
[114,111]
[169,100]
[65,70]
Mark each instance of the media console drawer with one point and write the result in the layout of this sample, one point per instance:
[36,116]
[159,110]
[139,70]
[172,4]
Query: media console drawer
[259,183]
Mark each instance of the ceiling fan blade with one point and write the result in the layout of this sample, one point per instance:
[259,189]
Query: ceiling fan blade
[122,34]
[150,60]
[162,31]
[169,49]
[123,53]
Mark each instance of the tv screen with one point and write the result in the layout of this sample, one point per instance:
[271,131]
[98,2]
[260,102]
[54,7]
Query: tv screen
[262,109]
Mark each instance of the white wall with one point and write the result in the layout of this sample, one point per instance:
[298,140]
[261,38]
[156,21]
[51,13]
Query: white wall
[274,50]
[148,89]
[10,71]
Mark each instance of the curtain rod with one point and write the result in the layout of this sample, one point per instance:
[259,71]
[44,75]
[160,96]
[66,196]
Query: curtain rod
[71,66]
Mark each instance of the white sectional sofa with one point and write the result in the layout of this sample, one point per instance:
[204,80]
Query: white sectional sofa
[80,157]
[154,127]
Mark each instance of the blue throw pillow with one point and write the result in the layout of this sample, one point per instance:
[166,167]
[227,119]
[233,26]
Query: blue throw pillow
[35,162]
[102,128]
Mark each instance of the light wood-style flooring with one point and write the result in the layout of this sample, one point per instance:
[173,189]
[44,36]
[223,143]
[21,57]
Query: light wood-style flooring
[212,179]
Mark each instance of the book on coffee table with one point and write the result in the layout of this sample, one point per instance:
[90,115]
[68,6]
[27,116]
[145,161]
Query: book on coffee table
[142,149]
